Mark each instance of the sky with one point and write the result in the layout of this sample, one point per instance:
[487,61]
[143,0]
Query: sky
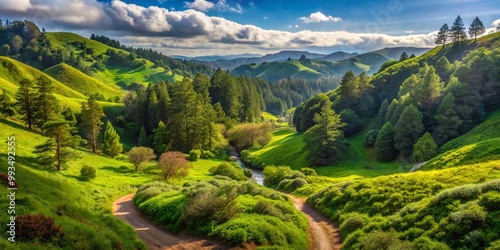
[230,27]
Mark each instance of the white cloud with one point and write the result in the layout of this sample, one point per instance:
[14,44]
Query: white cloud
[193,32]
[15,5]
[409,31]
[266,18]
[296,26]
[201,5]
[318,17]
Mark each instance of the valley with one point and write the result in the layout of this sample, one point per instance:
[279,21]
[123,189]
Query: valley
[121,147]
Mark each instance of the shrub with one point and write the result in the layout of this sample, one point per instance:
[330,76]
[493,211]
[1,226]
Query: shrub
[296,183]
[275,174]
[37,227]
[6,182]
[380,240]
[308,171]
[87,173]
[194,155]
[247,173]
[490,201]
[425,148]
[205,154]
[138,155]
[247,135]
[229,170]
[352,222]
[173,164]
[370,138]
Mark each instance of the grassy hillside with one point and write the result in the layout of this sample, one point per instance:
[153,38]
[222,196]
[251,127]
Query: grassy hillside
[112,75]
[12,72]
[274,71]
[287,148]
[82,83]
[481,144]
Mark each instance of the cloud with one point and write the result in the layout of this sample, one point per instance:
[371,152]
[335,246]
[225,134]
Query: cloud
[15,5]
[201,5]
[318,17]
[192,32]
[409,31]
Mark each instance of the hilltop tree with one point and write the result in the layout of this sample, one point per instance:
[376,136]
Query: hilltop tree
[138,155]
[16,44]
[442,35]
[111,141]
[425,148]
[403,56]
[457,30]
[476,28]
[384,145]
[91,122]
[57,148]
[24,102]
[47,106]
[6,105]
[408,129]
[325,140]
[447,119]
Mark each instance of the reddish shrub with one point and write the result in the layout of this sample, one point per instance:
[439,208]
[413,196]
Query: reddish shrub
[6,182]
[30,227]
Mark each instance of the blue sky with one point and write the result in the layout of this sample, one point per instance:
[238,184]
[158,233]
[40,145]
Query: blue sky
[208,27]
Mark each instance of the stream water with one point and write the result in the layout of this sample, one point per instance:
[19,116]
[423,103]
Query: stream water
[256,174]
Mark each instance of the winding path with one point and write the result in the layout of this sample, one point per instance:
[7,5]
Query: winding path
[153,235]
[323,233]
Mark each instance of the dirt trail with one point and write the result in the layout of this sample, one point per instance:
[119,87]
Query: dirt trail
[153,235]
[323,233]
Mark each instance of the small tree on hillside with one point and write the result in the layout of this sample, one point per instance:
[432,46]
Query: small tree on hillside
[173,165]
[447,119]
[5,105]
[476,28]
[457,30]
[24,102]
[143,138]
[403,56]
[47,106]
[325,140]
[425,148]
[408,129]
[91,122]
[384,145]
[138,155]
[111,142]
[57,148]
[442,35]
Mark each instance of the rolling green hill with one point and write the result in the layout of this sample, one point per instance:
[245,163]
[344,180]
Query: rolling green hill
[82,83]
[368,62]
[12,72]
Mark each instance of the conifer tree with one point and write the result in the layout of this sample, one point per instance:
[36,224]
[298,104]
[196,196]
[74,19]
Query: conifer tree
[443,34]
[408,129]
[6,104]
[382,111]
[24,102]
[447,119]
[111,141]
[143,138]
[457,30]
[161,140]
[403,56]
[425,148]
[163,101]
[57,148]
[384,145]
[476,28]
[91,121]
[325,140]
[47,106]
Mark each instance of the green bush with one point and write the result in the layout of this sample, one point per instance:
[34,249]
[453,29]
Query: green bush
[370,138]
[308,171]
[87,173]
[230,170]
[207,154]
[194,155]
[247,173]
[352,222]
[275,174]
[490,200]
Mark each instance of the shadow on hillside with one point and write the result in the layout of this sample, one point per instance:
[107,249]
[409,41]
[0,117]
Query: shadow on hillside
[16,125]
[119,170]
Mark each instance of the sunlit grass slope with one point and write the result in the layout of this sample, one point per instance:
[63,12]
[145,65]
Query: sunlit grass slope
[82,83]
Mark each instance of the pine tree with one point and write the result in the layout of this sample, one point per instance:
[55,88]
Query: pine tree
[382,111]
[325,140]
[425,148]
[163,101]
[384,145]
[403,56]
[408,129]
[47,106]
[91,122]
[57,148]
[161,141]
[143,138]
[444,68]
[111,141]
[443,34]
[447,119]
[457,30]
[476,28]
[24,98]
[6,104]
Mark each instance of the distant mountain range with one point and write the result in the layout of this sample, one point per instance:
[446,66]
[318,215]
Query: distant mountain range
[335,64]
